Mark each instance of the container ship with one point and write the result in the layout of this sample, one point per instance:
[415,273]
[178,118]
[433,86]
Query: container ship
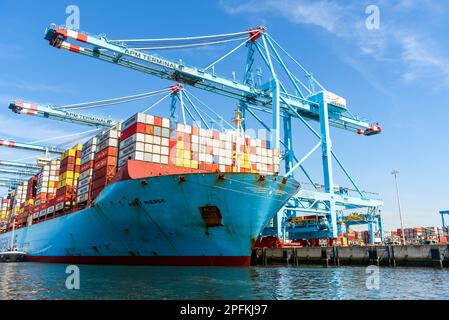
[149,191]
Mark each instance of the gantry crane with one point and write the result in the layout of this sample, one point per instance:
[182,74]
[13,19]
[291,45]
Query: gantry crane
[21,165]
[443,213]
[31,147]
[50,112]
[23,173]
[285,101]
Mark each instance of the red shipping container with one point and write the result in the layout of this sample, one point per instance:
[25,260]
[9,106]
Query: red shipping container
[108,161]
[67,167]
[78,154]
[107,152]
[158,121]
[100,183]
[106,171]
[68,160]
[87,166]
[135,128]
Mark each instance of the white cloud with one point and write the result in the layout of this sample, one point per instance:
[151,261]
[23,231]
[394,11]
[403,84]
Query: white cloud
[423,59]
[397,41]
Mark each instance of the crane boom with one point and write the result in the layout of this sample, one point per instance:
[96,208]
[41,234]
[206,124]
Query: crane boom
[17,172]
[64,115]
[11,181]
[31,147]
[21,165]
[122,55]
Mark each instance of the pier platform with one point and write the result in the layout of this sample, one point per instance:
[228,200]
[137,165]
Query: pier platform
[394,255]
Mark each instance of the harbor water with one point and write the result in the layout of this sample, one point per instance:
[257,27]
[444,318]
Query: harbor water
[48,281]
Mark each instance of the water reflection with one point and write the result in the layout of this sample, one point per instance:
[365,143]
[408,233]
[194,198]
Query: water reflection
[47,281]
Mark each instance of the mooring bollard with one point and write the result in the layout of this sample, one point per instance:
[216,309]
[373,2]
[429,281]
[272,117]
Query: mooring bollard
[324,258]
[437,259]
[336,257]
[373,257]
[391,259]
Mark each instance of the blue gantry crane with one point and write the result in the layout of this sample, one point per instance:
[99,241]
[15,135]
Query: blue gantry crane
[443,213]
[20,165]
[287,92]
[30,146]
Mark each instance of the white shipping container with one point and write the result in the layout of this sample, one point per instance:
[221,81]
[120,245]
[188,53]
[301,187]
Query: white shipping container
[157,131]
[149,119]
[165,142]
[156,158]
[87,173]
[88,150]
[164,151]
[156,149]
[87,158]
[165,132]
[157,140]
[82,198]
[164,159]
[89,143]
[148,148]
[127,150]
[107,143]
[138,117]
[147,157]
[84,182]
[140,146]
[84,189]
[165,123]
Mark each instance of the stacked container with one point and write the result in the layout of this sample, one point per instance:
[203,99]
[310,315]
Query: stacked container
[86,171]
[4,213]
[68,179]
[155,139]
[31,194]
[20,195]
[105,160]
[145,138]
[47,182]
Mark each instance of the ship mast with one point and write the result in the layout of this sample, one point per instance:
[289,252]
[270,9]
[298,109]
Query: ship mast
[238,121]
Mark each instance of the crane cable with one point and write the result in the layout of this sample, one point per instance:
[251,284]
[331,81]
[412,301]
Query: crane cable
[114,101]
[183,38]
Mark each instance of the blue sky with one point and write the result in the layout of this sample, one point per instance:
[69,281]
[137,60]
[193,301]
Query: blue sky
[397,75]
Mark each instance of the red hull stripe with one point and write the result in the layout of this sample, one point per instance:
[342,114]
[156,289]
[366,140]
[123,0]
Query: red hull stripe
[139,260]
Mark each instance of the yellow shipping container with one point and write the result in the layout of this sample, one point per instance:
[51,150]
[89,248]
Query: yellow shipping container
[78,147]
[78,161]
[180,145]
[186,155]
[194,164]
[186,163]
[179,153]
[179,162]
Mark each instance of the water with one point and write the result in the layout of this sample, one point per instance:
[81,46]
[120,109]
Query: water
[47,281]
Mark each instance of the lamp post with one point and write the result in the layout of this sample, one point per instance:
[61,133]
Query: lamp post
[395,174]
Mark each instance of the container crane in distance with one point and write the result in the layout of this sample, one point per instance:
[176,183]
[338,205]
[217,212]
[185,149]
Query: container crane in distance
[284,100]
[26,166]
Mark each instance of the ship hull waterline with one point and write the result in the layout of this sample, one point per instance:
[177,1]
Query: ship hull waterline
[158,221]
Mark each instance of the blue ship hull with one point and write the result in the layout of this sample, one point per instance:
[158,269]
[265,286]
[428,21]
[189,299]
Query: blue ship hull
[157,220]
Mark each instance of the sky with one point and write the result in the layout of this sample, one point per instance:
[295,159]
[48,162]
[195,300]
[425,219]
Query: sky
[396,74]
